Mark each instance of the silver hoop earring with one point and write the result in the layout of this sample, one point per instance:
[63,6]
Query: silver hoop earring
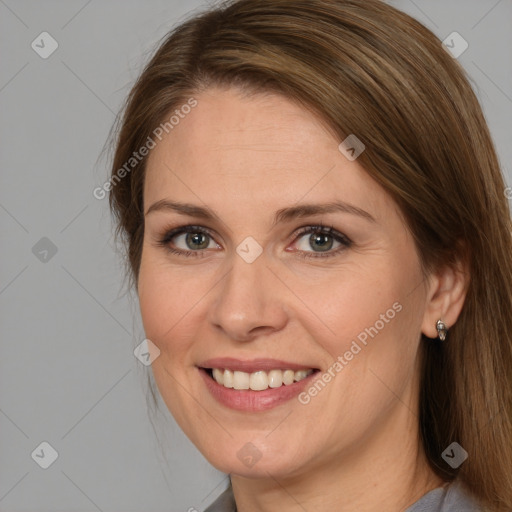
[442,330]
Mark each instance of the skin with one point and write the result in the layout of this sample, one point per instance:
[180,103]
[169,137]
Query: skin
[354,446]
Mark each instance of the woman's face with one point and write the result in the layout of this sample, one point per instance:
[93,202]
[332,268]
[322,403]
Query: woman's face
[258,287]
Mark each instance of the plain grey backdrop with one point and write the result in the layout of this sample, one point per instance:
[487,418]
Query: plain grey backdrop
[68,375]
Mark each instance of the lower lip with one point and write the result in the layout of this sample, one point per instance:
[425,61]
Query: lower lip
[253,401]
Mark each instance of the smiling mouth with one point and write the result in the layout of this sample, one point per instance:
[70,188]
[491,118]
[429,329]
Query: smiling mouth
[259,380]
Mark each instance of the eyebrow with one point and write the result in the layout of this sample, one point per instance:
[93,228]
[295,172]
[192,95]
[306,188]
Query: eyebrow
[282,215]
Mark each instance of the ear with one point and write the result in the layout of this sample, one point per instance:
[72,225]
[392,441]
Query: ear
[446,293]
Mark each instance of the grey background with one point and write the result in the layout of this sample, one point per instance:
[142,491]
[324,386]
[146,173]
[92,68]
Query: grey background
[68,375]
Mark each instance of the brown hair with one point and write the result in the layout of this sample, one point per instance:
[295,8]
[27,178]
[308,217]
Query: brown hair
[369,69]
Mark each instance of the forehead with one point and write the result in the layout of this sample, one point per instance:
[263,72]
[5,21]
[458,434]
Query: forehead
[261,149]
[225,122]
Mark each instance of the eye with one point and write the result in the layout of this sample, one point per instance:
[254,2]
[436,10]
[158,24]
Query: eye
[188,241]
[322,240]
[194,241]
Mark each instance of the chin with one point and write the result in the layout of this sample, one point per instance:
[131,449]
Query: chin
[250,461]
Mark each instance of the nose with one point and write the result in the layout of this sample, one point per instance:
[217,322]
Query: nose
[249,301]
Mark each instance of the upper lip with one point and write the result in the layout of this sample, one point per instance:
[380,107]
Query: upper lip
[252,365]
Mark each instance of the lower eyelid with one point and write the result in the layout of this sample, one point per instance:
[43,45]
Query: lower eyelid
[324,254]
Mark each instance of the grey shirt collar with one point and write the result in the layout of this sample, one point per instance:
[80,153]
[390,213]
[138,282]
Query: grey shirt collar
[450,498]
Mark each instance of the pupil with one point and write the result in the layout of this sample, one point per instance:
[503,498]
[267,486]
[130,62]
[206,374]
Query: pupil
[322,240]
[194,239]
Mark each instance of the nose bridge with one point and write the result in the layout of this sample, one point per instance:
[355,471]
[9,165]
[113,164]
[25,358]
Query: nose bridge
[249,299]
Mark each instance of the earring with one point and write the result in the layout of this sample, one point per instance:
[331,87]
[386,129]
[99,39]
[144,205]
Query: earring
[442,330]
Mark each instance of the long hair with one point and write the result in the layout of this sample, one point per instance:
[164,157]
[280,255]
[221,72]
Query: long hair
[370,70]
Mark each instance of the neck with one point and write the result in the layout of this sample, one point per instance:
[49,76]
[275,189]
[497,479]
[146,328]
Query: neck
[386,471]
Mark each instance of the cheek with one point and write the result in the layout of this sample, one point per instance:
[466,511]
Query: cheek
[352,303]
[167,298]
[370,317]
[372,350]
[379,331]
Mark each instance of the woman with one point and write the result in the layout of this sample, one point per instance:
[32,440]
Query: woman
[316,225]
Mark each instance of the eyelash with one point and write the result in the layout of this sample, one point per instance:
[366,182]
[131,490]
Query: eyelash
[319,228]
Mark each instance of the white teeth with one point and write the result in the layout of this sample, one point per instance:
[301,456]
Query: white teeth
[260,380]
[228,379]
[241,380]
[288,377]
[301,374]
[275,378]
[218,375]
